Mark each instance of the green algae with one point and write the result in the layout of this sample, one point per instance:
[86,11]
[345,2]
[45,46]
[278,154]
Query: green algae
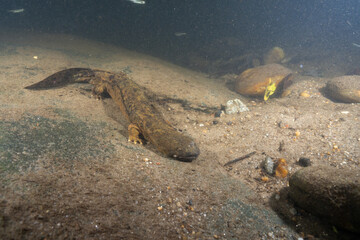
[68,139]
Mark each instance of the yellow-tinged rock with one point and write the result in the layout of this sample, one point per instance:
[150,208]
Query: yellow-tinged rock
[253,81]
[275,55]
[281,170]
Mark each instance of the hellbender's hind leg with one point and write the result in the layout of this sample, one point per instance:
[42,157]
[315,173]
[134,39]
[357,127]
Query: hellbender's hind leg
[99,91]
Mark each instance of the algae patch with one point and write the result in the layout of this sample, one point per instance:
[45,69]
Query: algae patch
[247,218]
[67,140]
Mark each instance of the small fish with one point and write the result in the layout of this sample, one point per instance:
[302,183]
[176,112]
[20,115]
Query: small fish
[20,10]
[270,89]
[180,34]
[356,45]
[137,1]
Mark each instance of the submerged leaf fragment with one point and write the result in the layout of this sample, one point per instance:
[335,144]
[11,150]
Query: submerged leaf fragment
[270,89]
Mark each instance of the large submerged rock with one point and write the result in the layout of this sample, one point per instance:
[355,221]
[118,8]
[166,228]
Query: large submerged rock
[275,55]
[328,192]
[253,81]
[344,89]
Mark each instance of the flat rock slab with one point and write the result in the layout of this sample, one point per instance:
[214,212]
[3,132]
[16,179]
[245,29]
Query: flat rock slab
[344,89]
[330,193]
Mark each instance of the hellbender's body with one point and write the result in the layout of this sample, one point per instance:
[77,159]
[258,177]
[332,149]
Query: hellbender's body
[145,119]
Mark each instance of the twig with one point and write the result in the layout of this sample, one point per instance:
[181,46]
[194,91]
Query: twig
[239,159]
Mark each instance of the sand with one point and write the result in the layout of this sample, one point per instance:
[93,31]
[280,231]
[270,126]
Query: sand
[69,172]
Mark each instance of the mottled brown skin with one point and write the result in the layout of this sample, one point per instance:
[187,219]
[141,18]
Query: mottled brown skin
[145,119]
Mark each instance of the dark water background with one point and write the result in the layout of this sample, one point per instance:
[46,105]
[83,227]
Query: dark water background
[151,27]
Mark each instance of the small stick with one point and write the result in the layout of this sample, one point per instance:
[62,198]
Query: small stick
[239,159]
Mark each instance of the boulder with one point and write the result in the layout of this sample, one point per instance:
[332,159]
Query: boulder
[344,89]
[330,193]
[253,81]
[275,55]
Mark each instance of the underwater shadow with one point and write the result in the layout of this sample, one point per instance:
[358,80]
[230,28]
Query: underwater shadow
[323,91]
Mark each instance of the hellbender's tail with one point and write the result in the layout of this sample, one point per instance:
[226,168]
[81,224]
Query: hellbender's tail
[64,77]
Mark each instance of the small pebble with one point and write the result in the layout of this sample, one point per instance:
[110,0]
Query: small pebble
[235,106]
[264,179]
[271,234]
[219,113]
[293,211]
[268,165]
[305,94]
[304,162]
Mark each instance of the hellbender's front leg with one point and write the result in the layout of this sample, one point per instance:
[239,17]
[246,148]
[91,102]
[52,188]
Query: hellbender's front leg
[135,134]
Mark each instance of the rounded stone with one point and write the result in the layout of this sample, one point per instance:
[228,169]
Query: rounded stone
[304,162]
[275,55]
[235,106]
[268,165]
[330,193]
[344,89]
[253,81]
